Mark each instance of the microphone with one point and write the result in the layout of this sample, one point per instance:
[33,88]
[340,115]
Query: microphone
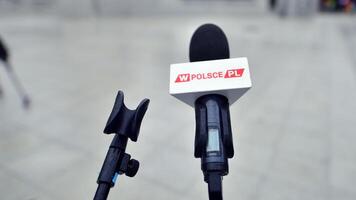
[213,137]
[211,83]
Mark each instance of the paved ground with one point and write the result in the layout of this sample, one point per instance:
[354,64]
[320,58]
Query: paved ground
[293,132]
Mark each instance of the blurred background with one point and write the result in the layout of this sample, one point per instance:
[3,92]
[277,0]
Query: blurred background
[294,131]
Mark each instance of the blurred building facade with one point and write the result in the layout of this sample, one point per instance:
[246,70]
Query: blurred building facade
[133,7]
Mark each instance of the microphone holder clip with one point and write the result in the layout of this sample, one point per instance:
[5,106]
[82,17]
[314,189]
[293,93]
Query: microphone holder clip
[213,140]
[125,124]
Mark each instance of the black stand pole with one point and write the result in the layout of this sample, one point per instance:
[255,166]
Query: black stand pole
[125,124]
[102,191]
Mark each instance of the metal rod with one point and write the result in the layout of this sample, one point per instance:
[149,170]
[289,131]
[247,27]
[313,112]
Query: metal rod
[17,84]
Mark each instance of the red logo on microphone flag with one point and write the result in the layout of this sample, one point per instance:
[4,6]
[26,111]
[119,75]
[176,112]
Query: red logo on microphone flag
[183,78]
[230,73]
[234,73]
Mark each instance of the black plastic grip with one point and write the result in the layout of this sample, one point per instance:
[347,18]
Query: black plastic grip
[124,121]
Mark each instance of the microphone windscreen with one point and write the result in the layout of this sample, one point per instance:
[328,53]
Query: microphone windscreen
[208,43]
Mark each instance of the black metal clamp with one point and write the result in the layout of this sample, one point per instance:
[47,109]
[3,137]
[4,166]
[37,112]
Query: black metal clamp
[124,123]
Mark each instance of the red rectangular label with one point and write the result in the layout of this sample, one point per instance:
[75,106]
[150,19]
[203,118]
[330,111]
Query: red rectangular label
[234,73]
[231,73]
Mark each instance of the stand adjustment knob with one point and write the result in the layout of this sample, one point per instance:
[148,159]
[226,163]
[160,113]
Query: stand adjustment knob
[132,168]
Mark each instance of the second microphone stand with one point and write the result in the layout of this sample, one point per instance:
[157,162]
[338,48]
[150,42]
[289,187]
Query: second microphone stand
[125,124]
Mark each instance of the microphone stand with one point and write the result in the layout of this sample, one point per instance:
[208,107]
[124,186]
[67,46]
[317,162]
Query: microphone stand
[213,141]
[4,57]
[17,84]
[125,124]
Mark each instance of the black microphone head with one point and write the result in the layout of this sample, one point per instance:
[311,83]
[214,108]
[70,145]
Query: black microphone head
[208,43]
[4,55]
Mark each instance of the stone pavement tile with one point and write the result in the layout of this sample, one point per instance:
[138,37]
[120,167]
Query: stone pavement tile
[251,157]
[80,133]
[14,187]
[342,194]
[304,148]
[18,146]
[342,170]
[9,128]
[302,173]
[343,107]
[78,181]
[241,183]
[46,162]
[171,169]
[276,189]
[342,143]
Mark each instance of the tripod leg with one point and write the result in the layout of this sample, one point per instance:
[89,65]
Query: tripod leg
[18,86]
[1,92]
